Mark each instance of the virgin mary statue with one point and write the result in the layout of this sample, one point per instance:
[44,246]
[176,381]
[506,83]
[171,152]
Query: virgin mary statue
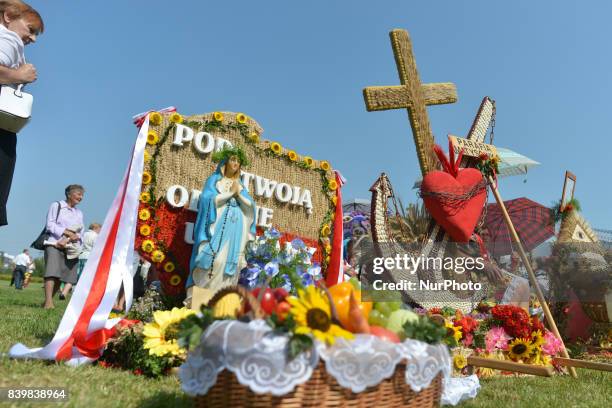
[225,223]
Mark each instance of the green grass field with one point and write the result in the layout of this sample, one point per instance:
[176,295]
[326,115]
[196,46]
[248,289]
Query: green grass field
[22,320]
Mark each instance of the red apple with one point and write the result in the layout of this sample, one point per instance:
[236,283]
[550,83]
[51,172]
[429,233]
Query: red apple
[268,301]
[280,294]
[282,310]
[384,334]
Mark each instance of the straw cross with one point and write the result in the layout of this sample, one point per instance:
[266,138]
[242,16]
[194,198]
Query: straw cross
[413,96]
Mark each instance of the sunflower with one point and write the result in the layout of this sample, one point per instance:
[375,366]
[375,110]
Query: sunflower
[519,348]
[146,177]
[145,230]
[158,256]
[485,372]
[327,259]
[155,118]
[459,361]
[540,359]
[218,117]
[325,231]
[328,248]
[176,118]
[537,339]
[169,267]
[254,137]
[312,315]
[276,147]
[324,165]
[145,197]
[152,137]
[292,155]
[332,185]
[453,331]
[241,118]
[175,280]
[147,157]
[161,335]
[148,245]
[144,214]
[334,200]
[308,161]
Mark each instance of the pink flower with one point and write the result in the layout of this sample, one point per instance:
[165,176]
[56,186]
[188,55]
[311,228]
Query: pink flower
[467,340]
[496,338]
[552,345]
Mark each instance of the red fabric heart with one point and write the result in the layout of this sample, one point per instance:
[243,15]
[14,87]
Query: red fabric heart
[454,197]
[456,217]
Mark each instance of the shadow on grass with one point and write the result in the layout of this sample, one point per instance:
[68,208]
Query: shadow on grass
[165,399]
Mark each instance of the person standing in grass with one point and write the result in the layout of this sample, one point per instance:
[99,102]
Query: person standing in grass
[20,25]
[62,216]
[22,263]
[89,239]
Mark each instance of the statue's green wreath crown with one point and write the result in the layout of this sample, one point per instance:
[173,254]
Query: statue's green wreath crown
[227,152]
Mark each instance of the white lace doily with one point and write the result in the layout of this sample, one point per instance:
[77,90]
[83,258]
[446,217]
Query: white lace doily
[257,356]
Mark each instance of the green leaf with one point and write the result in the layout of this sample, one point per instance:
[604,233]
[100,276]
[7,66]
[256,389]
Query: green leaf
[298,343]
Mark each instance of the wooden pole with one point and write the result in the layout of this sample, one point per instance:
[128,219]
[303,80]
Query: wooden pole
[591,365]
[543,371]
[532,277]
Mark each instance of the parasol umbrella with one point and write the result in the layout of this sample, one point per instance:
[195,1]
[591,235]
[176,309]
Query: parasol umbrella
[513,163]
[531,220]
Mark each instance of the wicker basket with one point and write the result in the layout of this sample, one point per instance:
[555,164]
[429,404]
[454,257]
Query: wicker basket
[322,390]
[596,311]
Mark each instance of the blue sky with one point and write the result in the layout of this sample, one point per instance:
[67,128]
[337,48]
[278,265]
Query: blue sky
[298,68]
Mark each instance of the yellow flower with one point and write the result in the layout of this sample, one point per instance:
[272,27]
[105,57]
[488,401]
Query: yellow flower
[176,117]
[334,200]
[161,335]
[537,339]
[332,185]
[327,259]
[495,160]
[152,137]
[254,137]
[169,267]
[157,256]
[241,118]
[312,315]
[308,161]
[145,197]
[155,118]
[484,372]
[276,147]
[218,116]
[146,177]
[324,165]
[175,280]
[519,348]
[148,246]
[144,214]
[147,157]
[145,230]
[328,248]
[459,361]
[292,155]
[540,359]
[453,330]
[325,231]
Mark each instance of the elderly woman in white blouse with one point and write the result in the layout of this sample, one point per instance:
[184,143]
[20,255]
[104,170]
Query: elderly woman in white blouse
[20,25]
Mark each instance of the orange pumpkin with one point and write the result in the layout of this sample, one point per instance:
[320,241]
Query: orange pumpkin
[341,295]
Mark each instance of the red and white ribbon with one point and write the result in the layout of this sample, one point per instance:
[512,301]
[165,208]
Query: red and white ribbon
[85,326]
[139,119]
[335,269]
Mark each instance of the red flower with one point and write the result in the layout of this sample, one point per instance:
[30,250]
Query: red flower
[435,310]
[483,157]
[467,323]
[138,371]
[513,319]
[536,324]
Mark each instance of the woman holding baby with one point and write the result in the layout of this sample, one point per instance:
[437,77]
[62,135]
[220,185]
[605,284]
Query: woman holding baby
[63,246]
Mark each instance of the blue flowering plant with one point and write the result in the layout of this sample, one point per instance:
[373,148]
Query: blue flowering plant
[287,266]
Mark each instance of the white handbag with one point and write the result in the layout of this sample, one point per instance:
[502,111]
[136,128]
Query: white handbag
[15,108]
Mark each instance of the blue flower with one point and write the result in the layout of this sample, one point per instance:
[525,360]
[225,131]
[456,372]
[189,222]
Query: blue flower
[271,268]
[272,233]
[298,244]
[314,270]
[307,280]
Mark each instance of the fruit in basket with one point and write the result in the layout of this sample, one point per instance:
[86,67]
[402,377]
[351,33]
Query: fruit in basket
[376,318]
[384,334]
[398,318]
[341,294]
[229,305]
[280,294]
[268,300]
[358,323]
[282,310]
